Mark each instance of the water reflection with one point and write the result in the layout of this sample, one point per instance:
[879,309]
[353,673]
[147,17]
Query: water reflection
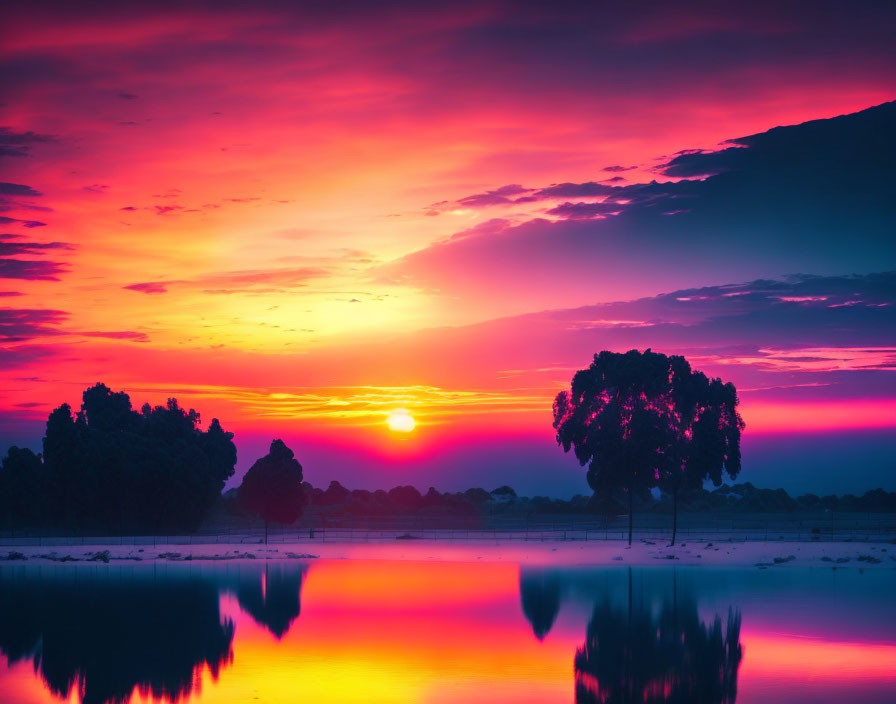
[639,654]
[540,591]
[274,601]
[404,631]
[103,636]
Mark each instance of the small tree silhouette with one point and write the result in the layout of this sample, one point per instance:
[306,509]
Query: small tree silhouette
[272,488]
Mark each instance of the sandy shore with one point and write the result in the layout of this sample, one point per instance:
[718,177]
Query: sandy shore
[761,555]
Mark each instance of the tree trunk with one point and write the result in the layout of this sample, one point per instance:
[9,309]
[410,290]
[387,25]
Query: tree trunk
[628,671]
[674,516]
[630,512]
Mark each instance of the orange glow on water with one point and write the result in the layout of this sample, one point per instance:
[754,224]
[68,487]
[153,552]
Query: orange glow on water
[771,655]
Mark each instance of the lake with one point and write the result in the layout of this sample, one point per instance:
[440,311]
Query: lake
[413,631]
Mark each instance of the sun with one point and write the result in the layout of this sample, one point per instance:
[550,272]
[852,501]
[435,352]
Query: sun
[400,421]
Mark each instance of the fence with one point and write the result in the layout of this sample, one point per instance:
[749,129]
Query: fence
[825,527]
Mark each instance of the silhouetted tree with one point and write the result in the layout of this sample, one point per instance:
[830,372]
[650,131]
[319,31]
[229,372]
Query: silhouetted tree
[112,469]
[273,598]
[540,592]
[109,635]
[405,499]
[705,432]
[22,487]
[335,494]
[615,418]
[272,488]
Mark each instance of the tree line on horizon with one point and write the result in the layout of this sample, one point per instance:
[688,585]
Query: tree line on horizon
[112,469]
[641,422]
[338,502]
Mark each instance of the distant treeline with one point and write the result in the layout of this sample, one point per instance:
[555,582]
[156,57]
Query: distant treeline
[108,468]
[338,501]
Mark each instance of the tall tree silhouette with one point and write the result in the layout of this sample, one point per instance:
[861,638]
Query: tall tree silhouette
[111,468]
[22,487]
[272,488]
[705,437]
[109,635]
[634,655]
[615,418]
[647,419]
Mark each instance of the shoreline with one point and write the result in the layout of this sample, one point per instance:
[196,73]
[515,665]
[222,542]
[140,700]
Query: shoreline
[754,554]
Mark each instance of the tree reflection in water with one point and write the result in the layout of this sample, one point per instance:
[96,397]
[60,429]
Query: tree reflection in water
[273,598]
[540,592]
[634,654]
[105,636]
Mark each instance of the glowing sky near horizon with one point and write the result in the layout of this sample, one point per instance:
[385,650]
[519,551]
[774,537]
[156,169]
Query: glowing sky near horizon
[302,219]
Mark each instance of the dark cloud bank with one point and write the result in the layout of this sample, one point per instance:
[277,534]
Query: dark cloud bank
[814,197]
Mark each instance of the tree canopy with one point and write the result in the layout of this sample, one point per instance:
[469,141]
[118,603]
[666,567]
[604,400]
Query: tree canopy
[110,468]
[272,488]
[640,420]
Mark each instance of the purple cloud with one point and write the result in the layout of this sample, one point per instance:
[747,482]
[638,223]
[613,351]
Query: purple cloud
[4,220]
[584,211]
[118,335]
[31,269]
[17,189]
[151,287]
[20,143]
[495,197]
[21,324]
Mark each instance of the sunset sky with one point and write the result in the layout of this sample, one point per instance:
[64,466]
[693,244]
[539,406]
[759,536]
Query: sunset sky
[300,219]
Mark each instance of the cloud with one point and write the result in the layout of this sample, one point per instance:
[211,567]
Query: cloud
[240,281]
[12,245]
[5,220]
[862,140]
[22,324]
[576,190]
[784,338]
[151,287]
[118,335]
[575,211]
[815,196]
[617,169]
[17,189]
[31,269]
[20,143]
[498,195]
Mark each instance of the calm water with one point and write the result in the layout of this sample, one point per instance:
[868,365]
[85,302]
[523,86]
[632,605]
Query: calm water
[374,631]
